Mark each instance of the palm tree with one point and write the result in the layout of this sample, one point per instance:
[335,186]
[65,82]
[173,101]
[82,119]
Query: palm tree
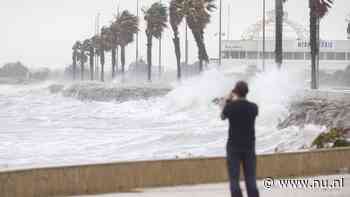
[97,45]
[279,32]
[75,48]
[88,47]
[106,42]
[125,26]
[318,9]
[91,59]
[110,44]
[156,17]
[176,16]
[82,58]
[197,17]
[115,34]
[101,45]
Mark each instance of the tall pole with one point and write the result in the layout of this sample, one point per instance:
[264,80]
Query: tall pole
[313,44]
[228,22]
[117,49]
[264,38]
[96,57]
[318,53]
[186,45]
[220,39]
[97,33]
[348,29]
[137,34]
[160,55]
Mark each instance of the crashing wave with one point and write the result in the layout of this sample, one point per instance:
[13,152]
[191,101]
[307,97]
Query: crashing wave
[102,92]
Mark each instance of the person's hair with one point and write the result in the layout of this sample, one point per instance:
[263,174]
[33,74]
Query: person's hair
[241,89]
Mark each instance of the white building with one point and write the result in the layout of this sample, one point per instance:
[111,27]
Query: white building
[334,54]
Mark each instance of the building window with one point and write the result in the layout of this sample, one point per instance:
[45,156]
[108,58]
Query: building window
[224,54]
[235,54]
[330,56]
[348,56]
[340,56]
[266,55]
[322,56]
[299,55]
[307,55]
[242,54]
[271,55]
[252,55]
[261,55]
[288,55]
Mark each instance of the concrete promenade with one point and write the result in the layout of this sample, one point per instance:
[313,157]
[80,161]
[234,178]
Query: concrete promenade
[126,176]
[222,190]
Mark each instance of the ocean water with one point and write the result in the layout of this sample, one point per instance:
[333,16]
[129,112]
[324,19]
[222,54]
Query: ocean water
[38,128]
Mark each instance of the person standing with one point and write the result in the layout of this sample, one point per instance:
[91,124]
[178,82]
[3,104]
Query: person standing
[240,148]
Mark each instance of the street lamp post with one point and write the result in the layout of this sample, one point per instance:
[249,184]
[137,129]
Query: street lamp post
[264,38]
[160,56]
[137,34]
[220,38]
[186,45]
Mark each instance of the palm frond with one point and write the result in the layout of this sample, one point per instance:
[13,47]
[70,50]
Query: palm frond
[125,26]
[156,17]
[321,7]
[197,13]
[176,13]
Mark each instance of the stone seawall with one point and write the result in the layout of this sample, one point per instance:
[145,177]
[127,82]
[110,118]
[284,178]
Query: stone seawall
[126,176]
[325,108]
[334,95]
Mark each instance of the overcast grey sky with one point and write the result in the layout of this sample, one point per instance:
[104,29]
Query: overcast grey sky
[41,32]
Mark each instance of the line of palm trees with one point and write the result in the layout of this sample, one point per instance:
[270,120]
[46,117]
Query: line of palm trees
[121,32]
[318,9]
[196,14]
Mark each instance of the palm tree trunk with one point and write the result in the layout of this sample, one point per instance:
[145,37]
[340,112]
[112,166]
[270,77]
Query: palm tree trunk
[74,64]
[204,50]
[82,58]
[117,57]
[113,61]
[122,58]
[200,65]
[102,61]
[96,71]
[176,41]
[202,53]
[91,57]
[149,56]
[314,46]
[279,33]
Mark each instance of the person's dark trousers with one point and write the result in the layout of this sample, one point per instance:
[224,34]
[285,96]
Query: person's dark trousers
[248,160]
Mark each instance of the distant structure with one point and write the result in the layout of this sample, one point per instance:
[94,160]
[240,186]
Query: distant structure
[296,48]
[254,32]
[348,30]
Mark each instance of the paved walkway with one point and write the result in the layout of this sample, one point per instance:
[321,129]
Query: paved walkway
[221,190]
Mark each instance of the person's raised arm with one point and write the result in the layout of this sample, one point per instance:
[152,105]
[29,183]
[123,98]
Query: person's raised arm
[224,105]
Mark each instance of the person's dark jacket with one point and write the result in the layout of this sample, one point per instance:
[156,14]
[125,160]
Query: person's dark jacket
[242,115]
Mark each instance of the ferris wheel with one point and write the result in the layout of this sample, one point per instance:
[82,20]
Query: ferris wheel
[253,31]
